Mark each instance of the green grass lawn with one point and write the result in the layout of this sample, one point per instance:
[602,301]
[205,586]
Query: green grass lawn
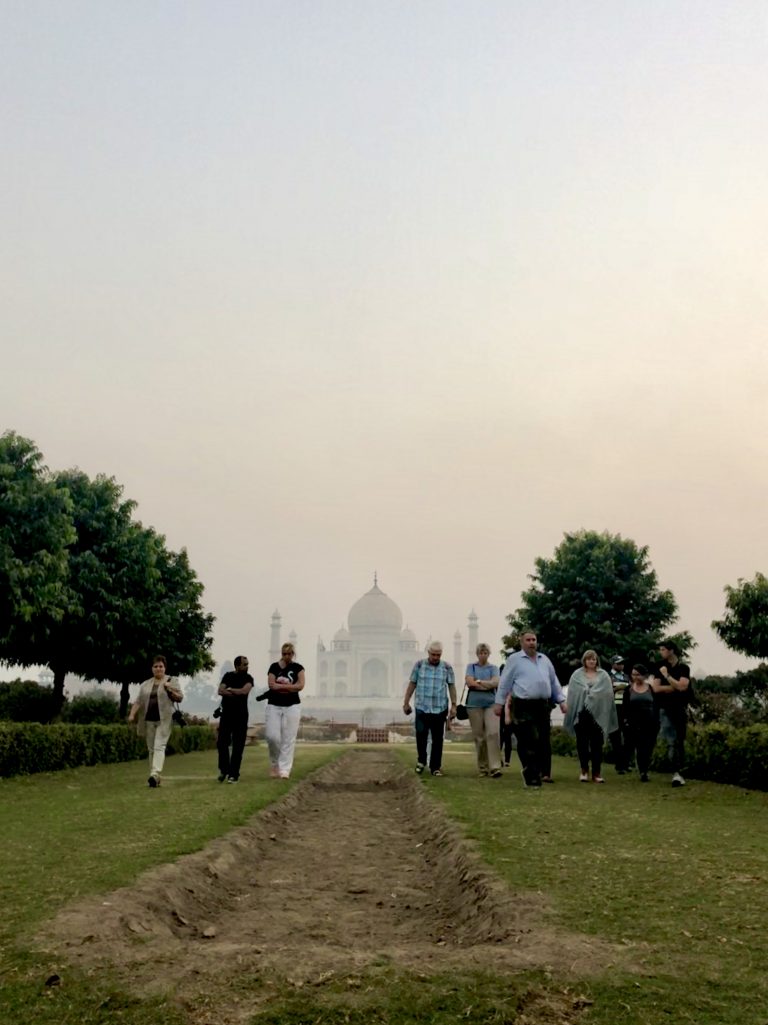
[677,877]
[90,830]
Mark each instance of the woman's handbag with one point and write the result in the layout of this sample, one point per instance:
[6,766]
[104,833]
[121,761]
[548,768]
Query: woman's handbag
[461,708]
[178,716]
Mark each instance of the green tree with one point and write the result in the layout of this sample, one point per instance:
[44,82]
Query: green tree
[129,598]
[744,627]
[597,591]
[35,532]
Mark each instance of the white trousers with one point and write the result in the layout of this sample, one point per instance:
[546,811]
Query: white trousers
[157,734]
[280,728]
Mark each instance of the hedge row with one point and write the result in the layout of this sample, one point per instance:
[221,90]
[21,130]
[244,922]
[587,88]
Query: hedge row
[26,748]
[715,752]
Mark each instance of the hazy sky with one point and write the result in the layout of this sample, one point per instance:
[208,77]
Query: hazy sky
[332,287]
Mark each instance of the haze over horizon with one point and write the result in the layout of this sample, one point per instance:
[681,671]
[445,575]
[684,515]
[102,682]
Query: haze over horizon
[334,288]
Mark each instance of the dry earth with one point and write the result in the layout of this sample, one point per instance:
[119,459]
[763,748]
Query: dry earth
[354,867]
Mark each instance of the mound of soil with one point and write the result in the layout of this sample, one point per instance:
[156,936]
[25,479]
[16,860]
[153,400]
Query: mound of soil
[354,866]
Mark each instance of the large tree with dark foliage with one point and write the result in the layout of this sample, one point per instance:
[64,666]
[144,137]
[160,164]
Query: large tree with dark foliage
[744,627]
[36,531]
[124,597]
[598,591]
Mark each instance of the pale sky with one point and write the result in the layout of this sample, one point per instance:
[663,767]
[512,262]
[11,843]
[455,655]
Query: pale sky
[416,287]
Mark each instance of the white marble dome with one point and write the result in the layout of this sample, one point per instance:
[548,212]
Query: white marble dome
[375,611]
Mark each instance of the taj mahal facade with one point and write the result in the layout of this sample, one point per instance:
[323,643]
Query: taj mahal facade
[369,659]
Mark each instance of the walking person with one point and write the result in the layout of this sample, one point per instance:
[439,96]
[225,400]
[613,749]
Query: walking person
[283,715]
[153,710]
[433,689]
[591,715]
[233,722]
[528,684]
[641,720]
[482,679]
[620,682]
[670,683]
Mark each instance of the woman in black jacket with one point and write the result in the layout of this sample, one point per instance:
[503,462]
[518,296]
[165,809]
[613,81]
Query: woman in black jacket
[641,715]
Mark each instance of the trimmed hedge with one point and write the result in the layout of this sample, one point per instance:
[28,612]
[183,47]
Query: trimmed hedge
[27,748]
[714,752]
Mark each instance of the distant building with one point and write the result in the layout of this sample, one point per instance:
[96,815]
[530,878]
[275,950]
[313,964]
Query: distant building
[372,657]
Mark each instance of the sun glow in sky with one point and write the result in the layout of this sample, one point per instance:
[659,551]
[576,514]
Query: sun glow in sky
[332,287]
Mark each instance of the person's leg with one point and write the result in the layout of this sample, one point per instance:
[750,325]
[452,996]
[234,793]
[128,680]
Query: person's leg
[477,722]
[291,721]
[596,750]
[437,729]
[644,738]
[422,732]
[681,728]
[581,728]
[506,736]
[526,733]
[272,734]
[619,752]
[162,733]
[546,743]
[493,753]
[222,744]
[150,729]
[239,734]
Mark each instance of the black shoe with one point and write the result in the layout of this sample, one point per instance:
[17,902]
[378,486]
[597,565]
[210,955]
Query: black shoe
[222,777]
[644,778]
[153,781]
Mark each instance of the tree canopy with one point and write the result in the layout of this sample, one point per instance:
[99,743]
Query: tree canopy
[120,595]
[744,627]
[598,591]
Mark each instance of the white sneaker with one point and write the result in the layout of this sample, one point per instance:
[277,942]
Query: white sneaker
[677,780]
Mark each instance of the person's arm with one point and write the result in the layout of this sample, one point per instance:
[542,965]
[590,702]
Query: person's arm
[451,681]
[409,691]
[293,688]
[557,691]
[674,685]
[658,687]
[491,684]
[504,689]
[134,711]
[246,688]
[173,692]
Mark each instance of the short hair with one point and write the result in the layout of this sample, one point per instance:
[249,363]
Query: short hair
[239,659]
[482,646]
[672,646]
[436,646]
[160,658]
[287,647]
[640,668]
[526,630]
[587,654]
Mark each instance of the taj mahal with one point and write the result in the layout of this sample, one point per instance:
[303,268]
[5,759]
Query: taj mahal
[369,659]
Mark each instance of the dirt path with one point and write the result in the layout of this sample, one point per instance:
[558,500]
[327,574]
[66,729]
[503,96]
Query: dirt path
[354,866]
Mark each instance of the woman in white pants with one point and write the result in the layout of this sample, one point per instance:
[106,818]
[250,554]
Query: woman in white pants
[286,679]
[153,708]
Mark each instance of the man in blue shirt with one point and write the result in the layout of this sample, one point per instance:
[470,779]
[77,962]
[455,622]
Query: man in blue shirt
[527,687]
[432,682]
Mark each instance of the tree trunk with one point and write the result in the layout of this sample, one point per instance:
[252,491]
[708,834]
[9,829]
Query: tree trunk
[58,688]
[125,700]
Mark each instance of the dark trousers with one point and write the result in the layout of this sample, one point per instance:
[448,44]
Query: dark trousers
[674,726]
[618,741]
[506,737]
[533,745]
[641,733]
[232,734]
[430,724]
[589,742]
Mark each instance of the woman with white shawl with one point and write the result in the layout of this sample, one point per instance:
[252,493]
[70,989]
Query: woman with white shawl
[591,715]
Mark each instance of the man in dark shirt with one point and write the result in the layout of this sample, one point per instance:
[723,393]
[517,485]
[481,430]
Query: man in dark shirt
[233,724]
[671,680]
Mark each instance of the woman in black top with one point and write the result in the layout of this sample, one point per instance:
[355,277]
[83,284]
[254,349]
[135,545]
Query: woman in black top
[641,717]
[286,680]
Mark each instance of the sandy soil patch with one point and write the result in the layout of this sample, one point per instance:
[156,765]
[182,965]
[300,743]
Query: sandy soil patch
[355,867]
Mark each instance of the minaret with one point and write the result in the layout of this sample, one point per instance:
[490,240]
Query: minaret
[274,639]
[472,629]
[292,638]
[457,666]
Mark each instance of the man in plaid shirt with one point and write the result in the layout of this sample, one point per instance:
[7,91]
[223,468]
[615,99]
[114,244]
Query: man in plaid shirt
[433,684]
